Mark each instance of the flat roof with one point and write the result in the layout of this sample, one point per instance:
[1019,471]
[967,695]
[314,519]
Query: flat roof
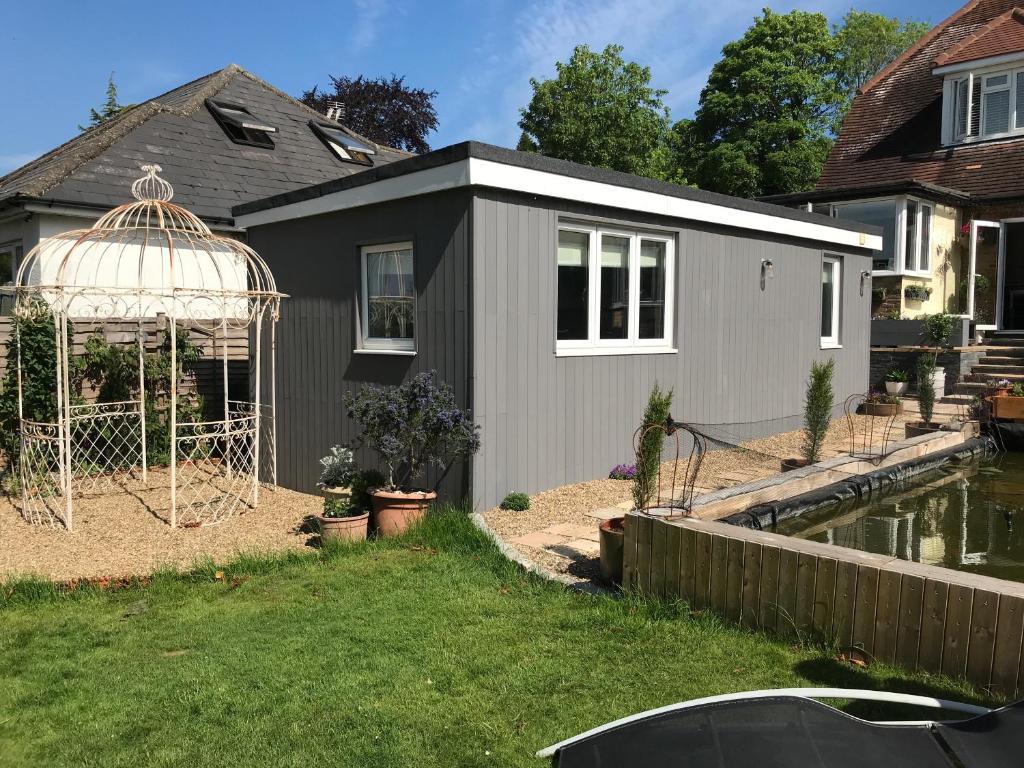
[472,163]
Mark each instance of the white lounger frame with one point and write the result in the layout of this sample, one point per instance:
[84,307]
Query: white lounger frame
[803,693]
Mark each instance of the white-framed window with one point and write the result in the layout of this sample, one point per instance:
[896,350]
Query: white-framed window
[10,256]
[388,299]
[831,299]
[983,104]
[615,291]
[906,224]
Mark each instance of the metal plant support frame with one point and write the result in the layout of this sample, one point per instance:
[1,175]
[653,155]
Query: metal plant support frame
[862,445]
[698,448]
[140,261]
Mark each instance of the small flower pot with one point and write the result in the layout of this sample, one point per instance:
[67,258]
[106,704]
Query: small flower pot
[612,534]
[916,428]
[395,511]
[1008,407]
[345,528]
[788,465]
[882,409]
[895,387]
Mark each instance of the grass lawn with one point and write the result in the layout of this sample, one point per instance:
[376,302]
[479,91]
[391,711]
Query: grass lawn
[431,650]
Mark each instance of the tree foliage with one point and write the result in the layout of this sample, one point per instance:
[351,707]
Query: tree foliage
[110,107]
[652,438]
[599,110]
[384,109]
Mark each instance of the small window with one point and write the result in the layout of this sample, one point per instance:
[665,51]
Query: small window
[344,147]
[831,281]
[925,248]
[573,285]
[10,255]
[961,102]
[240,125]
[388,315]
[995,105]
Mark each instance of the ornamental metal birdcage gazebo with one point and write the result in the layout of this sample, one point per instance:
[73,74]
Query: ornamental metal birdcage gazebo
[149,265]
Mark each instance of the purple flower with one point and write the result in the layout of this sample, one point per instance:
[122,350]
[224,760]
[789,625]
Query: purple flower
[623,472]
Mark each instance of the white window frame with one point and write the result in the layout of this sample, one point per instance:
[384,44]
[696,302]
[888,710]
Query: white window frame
[632,344]
[371,344]
[833,341]
[987,90]
[899,247]
[949,98]
[12,248]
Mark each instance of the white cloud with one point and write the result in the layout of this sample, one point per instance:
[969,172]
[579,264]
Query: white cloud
[368,15]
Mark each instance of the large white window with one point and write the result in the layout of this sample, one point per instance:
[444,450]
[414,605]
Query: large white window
[831,294]
[614,291]
[906,231]
[387,319]
[983,104]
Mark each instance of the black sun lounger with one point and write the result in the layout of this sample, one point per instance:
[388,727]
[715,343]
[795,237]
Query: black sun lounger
[788,729]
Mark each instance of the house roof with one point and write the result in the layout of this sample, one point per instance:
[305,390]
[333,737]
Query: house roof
[1004,34]
[473,164]
[209,172]
[892,132]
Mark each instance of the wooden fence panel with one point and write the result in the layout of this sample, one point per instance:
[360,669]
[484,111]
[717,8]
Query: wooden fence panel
[687,562]
[629,550]
[981,647]
[806,571]
[702,571]
[933,624]
[908,630]
[751,584]
[719,573]
[786,604]
[824,597]
[1006,656]
[845,603]
[768,596]
[659,546]
[643,554]
[864,612]
[886,616]
[734,580]
[958,630]
[671,586]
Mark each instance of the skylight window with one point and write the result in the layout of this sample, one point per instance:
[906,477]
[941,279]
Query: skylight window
[241,126]
[343,146]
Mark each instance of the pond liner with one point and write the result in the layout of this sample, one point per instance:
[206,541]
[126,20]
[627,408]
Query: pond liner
[1008,434]
[859,487]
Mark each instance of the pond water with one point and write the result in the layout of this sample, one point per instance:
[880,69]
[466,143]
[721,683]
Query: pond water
[969,517]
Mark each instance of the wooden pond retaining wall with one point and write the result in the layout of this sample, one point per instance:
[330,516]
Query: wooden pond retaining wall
[918,616]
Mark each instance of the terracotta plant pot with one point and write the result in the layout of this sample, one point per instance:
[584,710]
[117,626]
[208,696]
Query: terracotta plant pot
[1008,407]
[882,409]
[915,428]
[395,511]
[345,528]
[612,534]
[788,465]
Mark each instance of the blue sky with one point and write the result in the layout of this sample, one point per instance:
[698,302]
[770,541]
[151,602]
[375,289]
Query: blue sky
[478,54]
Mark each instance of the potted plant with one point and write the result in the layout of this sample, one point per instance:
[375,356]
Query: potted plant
[1000,388]
[336,472]
[879,404]
[925,398]
[818,402]
[896,382]
[916,292]
[1011,404]
[412,427]
[341,519]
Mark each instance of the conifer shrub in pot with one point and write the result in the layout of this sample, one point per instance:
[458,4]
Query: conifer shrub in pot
[412,427]
[818,401]
[925,398]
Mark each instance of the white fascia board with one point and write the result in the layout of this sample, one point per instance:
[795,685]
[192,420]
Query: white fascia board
[488,173]
[989,61]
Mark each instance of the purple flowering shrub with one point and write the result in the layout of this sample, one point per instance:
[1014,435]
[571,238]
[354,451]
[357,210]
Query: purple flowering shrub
[413,426]
[623,472]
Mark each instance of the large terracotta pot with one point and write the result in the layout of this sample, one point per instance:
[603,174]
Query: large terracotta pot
[612,534]
[345,528]
[788,465]
[918,428]
[395,511]
[882,409]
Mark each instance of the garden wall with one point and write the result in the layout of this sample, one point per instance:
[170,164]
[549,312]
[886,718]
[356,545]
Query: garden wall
[918,616]
[956,362]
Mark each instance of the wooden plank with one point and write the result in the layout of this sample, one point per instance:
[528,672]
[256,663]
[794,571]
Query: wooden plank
[659,540]
[887,605]
[719,573]
[933,623]
[629,539]
[645,530]
[687,556]
[957,633]
[845,602]
[702,571]
[824,598]
[768,595]
[981,647]
[864,610]
[1006,657]
[751,584]
[806,571]
[908,626]
[670,588]
[734,580]
[786,603]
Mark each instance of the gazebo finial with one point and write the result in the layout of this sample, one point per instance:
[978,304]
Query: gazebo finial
[151,186]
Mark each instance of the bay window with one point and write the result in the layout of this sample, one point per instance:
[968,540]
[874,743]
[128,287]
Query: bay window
[388,311]
[906,231]
[614,291]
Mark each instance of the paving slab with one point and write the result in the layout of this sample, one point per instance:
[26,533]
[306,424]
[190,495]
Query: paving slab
[586,546]
[570,530]
[604,513]
[538,539]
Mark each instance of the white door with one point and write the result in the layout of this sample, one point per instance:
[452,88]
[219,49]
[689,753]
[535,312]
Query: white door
[983,295]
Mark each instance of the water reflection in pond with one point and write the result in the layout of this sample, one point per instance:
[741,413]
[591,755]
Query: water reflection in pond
[969,517]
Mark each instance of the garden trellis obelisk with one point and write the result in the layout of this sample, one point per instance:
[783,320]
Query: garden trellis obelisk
[148,264]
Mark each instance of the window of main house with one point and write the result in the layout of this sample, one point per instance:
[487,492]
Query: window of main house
[614,291]
[906,224]
[388,306]
[983,105]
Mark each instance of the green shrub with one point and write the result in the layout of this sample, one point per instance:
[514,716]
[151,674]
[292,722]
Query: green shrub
[516,501]
[925,386]
[335,507]
[361,483]
[1017,390]
[817,409]
[939,328]
[897,375]
[648,455]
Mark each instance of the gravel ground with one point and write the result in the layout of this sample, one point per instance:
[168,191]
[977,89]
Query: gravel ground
[118,534]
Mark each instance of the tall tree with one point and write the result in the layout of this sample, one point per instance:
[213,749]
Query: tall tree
[108,110]
[866,42]
[599,110]
[763,124]
[385,109]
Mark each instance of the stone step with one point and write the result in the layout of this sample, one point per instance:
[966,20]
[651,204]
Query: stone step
[982,376]
[1004,342]
[999,369]
[970,387]
[1002,359]
[957,399]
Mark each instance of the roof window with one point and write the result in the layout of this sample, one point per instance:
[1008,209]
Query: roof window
[344,147]
[240,125]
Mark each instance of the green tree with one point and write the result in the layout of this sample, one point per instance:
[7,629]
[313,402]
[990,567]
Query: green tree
[599,110]
[818,409]
[866,42]
[110,107]
[763,124]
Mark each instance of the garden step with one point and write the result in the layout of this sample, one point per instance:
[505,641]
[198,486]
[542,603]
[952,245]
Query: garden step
[983,376]
[1002,359]
[970,387]
[957,399]
[999,369]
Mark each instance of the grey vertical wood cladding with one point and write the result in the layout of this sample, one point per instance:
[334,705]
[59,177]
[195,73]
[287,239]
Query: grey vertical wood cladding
[316,261]
[740,370]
